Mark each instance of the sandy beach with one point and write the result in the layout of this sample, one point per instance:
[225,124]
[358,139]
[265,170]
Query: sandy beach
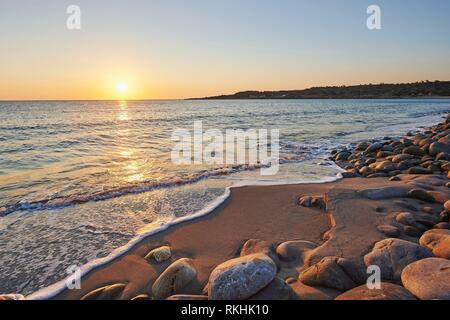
[320,237]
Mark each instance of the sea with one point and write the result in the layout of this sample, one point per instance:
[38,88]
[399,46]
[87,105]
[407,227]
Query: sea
[82,181]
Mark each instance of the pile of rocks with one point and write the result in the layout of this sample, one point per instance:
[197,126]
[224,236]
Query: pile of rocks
[425,152]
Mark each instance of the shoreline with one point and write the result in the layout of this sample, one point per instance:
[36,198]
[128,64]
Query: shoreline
[56,288]
[136,246]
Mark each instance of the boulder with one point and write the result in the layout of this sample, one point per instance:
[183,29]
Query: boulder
[374,147]
[304,292]
[332,272]
[443,156]
[388,230]
[444,216]
[406,218]
[294,250]
[442,225]
[401,157]
[387,291]
[111,292]
[174,278]
[159,254]
[362,146]
[427,220]
[384,192]
[428,279]
[438,147]
[253,246]
[383,166]
[421,194]
[343,156]
[419,170]
[275,290]
[413,150]
[438,241]
[393,255]
[241,278]
[412,231]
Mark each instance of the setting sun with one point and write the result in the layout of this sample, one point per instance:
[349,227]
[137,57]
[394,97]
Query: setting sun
[122,87]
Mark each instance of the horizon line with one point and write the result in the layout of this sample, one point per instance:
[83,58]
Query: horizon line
[230,94]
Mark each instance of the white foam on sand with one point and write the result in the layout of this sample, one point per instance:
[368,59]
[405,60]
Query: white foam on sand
[56,288]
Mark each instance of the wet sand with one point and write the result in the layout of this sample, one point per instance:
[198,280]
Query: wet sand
[268,213]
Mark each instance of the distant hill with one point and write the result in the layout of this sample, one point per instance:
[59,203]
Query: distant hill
[367,91]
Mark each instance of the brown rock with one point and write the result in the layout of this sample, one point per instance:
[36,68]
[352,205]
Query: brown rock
[419,170]
[393,255]
[427,279]
[406,218]
[159,254]
[438,241]
[388,291]
[442,225]
[276,290]
[389,230]
[330,272]
[111,292]
[259,246]
[174,278]
[304,292]
[413,150]
[294,250]
[422,195]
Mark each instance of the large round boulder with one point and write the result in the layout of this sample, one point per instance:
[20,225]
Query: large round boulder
[428,279]
[174,278]
[393,255]
[241,278]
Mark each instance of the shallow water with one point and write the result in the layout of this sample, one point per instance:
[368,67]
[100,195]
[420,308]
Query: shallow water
[80,179]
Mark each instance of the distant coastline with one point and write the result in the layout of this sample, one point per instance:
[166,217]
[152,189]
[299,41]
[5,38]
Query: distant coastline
[423,89]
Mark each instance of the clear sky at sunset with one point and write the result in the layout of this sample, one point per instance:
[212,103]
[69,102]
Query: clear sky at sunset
[177,49]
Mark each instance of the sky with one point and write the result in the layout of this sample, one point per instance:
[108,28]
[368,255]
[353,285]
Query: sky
[170,49]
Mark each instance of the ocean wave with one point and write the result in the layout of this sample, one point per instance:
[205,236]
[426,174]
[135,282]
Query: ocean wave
[65,201]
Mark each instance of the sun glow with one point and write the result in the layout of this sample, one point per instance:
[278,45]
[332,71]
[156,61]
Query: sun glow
[122,87]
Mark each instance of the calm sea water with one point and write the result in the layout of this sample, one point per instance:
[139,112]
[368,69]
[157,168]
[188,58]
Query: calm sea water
[79,179]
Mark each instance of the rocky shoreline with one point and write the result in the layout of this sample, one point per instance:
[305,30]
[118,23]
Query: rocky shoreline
[390,214]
